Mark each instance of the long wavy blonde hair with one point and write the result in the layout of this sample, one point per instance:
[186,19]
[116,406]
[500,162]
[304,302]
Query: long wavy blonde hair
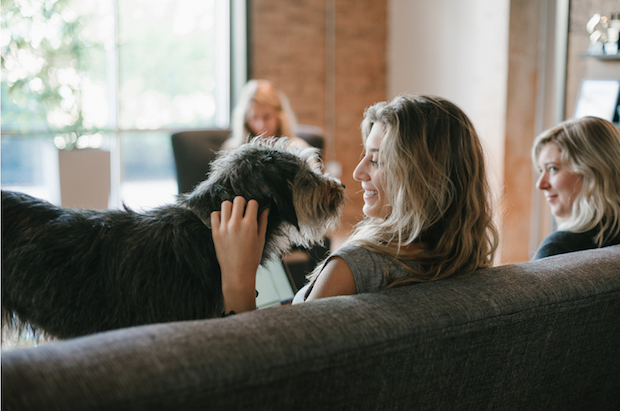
[435,181]
[590,146]
[264,92]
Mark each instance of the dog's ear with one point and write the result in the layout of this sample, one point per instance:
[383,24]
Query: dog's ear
[206,198]
[282,200]
[274,177]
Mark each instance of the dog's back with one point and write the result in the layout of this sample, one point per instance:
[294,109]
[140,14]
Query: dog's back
[75,272]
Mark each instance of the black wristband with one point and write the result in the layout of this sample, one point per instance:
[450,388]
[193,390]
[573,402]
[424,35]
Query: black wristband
[225,314]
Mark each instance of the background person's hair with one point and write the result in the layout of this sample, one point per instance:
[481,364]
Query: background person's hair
[435,181]
[262,91]
[590,146]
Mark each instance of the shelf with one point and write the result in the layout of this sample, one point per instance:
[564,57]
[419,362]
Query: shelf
[604,57]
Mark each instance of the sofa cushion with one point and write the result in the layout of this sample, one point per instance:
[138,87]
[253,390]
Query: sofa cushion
[536,335]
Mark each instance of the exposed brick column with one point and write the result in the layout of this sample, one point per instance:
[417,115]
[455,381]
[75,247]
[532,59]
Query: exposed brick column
[288,46]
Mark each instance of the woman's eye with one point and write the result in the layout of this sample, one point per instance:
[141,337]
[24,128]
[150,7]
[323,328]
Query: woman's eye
[553,169]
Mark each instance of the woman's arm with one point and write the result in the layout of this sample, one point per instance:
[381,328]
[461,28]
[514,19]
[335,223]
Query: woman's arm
[239,239]
[336,278]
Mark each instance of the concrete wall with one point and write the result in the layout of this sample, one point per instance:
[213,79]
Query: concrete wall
[457,50]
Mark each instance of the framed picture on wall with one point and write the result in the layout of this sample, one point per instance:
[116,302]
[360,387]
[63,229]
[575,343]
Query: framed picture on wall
[598,98]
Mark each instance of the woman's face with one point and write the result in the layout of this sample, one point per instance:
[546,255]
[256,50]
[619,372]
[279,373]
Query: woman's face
[559,184]
[263,119]
[369,173]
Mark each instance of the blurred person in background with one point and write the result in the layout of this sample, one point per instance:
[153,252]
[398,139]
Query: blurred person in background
[579,165]
[263,110]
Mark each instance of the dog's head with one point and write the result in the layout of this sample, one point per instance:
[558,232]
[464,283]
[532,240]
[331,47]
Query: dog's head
[304,203]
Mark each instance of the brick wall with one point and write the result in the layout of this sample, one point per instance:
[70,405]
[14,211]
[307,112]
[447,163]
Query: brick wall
[329,57]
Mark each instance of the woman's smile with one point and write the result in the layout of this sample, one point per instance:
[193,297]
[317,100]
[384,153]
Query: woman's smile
[369,172]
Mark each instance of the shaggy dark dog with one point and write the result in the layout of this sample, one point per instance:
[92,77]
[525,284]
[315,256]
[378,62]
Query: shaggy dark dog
[69,272]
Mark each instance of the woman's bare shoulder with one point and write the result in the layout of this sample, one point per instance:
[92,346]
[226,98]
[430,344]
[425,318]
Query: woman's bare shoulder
[336,278]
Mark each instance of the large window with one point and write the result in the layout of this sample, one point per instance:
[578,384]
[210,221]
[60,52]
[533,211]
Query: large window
[117,75]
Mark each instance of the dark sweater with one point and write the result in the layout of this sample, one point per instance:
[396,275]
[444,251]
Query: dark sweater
[561,242]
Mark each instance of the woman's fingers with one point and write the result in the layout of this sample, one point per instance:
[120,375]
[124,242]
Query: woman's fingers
[251,213]
[262,223]
[237,212]
[238,208]
[252,208]
[226,208]
[216,218]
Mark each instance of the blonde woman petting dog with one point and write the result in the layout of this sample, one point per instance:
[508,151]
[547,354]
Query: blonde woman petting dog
[427,209]
[262,110]
[579,162]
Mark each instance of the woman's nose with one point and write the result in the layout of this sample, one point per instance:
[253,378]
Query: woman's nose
[359,174]
[543,182]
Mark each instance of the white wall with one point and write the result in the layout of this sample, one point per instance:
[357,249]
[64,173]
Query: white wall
[457,49]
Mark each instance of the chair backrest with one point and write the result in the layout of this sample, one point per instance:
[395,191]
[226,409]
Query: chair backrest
[312,134]
[193,152]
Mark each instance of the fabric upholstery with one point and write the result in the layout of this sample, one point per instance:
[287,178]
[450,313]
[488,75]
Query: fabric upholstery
[194,150]
[540,335]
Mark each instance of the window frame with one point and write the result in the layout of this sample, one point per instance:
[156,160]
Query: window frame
[231,27]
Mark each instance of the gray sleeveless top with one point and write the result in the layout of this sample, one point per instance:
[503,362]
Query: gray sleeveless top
[371,270]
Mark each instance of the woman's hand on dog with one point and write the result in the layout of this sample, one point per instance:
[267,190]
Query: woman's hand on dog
[239,239]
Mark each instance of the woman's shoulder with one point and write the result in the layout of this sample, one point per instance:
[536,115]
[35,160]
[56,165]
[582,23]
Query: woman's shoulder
[614,241]
[350,250]
[561,242]
[359,255]
[372,270]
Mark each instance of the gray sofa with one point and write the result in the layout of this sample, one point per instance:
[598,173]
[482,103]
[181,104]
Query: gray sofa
[540,335]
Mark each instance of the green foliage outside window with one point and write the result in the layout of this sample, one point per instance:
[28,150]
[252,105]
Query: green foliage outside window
[46,49]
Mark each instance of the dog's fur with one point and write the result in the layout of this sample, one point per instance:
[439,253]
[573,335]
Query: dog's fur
[69,272]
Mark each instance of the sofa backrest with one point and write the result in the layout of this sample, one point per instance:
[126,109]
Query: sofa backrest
[534,336]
